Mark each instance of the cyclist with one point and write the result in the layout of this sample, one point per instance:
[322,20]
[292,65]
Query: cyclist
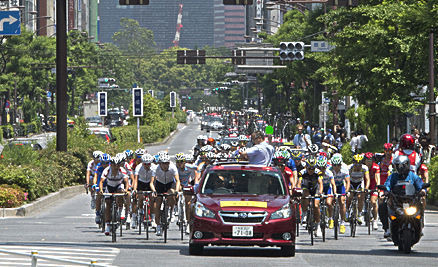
[423,172]
[243,140]
[91,169]
[116,179]
[137,160]
[341,176]
[328,183]
[385,171]
[129,154]
[190,159]
[166,180]
[310,180]
[187,174]
[142,178]
[279,160]
[313,149]
[296,161]
[359,180]
[374,181]
[104,163]
[201,141]
[126,212]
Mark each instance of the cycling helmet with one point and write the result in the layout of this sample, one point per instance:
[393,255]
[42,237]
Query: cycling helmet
[97,154]
[122,156]
[407,141]
[323,153]
[210,155]
[164,158]
[311,162]
[279,155]
[243,149]
[201,137]
[147,158]
[140,152]
[117,160]
[180,157]
[162,153]
[189,157]
[296,155]
[283,148]
[225,147]
[368,155]
[357,159]
[222,155]
[388,146]
[105,158]
[313,148]
[206,148]
[243,138]
[234,143]
[321,162]
[129,153]
[402,165]
[286,154]
[336,159]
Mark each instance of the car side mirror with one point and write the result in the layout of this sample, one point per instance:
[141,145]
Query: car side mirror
[189,190]
[297,192]
[425,185]
[382,187]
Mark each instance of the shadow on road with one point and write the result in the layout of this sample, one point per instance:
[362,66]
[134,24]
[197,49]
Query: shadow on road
[374,252]
[236,252]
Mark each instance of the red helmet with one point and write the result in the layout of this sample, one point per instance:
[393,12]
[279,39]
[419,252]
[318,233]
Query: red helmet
[322,153]
[387,146]
[407,141]
[368,155]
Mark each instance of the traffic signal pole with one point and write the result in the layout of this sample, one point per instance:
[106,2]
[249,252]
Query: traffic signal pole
[61,76]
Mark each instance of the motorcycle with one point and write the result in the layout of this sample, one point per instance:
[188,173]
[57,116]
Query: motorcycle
[406,214]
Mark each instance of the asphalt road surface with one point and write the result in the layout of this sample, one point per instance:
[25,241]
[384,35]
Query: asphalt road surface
[67,230]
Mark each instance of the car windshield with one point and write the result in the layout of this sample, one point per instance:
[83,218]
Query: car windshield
[243,182]
[94,119]
[216,119]
[229,140]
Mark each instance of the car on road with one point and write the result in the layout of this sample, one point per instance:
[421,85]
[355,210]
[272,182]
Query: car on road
[102,132]
[94,121]
[242,205]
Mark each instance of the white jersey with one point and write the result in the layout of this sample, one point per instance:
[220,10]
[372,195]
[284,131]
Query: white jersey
[358,176]
[341,175]
[116,179]
[168,176]
[144,175]
[91,167]
[327,177]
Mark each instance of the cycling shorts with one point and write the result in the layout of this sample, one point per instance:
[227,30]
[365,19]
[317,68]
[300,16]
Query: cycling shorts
[356,186]
[340,189]
[114,189]
[312,191]
[163,188]
[326,189]
[142,186]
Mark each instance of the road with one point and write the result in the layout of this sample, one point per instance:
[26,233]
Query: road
[67,230]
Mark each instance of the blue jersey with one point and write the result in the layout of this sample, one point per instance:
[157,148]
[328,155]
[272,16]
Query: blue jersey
[291,165]
[412,178]
[188,174]
[99,171]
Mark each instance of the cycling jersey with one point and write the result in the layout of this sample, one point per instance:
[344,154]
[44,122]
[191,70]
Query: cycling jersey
[291,165]
[422,171]
[310,181]
[374,170]
[116,179]
[358,176]
[128,168]
[144,175]
[91,167]
[99,171]
[340,176]
[414,158]
[385,169]
[288,174]
[187,174]
[166,177]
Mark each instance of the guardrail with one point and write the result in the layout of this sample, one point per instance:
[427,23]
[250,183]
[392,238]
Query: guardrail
[35,256]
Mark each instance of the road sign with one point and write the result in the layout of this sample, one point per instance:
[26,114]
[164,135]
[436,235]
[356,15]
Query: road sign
[172,99]
[102,103]
[137,102]
[320,46]
[10,22]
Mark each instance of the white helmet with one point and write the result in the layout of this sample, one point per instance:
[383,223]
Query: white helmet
[164,158]
[97,154]
[147,158]
[189,157]
[243,138]
[201,137]
[116,160]
[225,147]
[140,152]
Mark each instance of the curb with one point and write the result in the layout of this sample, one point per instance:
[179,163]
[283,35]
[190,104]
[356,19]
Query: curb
[43,202]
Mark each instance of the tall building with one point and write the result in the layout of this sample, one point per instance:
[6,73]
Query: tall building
[229,24]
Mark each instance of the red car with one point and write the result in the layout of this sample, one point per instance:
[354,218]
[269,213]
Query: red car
[242,205]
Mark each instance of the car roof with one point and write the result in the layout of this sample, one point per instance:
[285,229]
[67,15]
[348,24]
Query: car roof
[237,166]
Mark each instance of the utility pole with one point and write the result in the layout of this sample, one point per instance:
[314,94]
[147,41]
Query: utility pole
[431,92]
[61,76]
[15,103]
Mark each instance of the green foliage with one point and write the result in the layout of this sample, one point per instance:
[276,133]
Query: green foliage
[347,155]
[11,196]
[148,133]
[433,174]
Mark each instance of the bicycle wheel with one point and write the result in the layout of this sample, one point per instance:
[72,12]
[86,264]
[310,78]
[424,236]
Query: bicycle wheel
[353,219]
[165,223]
[102,214]
[146,218]
[181,219]
[311,223]
[297,218]
[120,224]
[322,221]
[113,219]
[336,219]
[368,215]
[139,219]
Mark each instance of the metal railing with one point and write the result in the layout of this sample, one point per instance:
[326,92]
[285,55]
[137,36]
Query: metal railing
[35,256]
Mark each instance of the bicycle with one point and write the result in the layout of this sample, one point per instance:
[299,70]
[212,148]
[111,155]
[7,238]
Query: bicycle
[143,215]
[368,209]
[310,224]
[336,214]
[115,216]
[181,214]
[353,211]
[165,217]
[297,215]
[323,223]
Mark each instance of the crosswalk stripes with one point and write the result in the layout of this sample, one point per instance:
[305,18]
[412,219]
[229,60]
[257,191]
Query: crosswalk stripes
[83,254]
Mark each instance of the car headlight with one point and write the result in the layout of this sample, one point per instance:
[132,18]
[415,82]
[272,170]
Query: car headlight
[202,211]
[282,213]
[410,210]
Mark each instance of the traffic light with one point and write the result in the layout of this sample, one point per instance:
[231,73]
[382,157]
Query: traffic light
[102,103]
[238,2]
[133,2]
[137,102]
[190,57]
[238,57]
[291,51]
[172,99]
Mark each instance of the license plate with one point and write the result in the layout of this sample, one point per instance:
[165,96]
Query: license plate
[243,231]
[405,205]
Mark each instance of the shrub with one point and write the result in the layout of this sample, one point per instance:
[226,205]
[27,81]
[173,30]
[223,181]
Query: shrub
[433,172]
[11,196]
[347,155]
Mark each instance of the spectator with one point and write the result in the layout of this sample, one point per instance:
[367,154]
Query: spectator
[330,137]
[261,153]
[354,142]
[363,139]
[317,138]
[301,140]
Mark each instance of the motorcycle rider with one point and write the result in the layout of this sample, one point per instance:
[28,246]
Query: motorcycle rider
[402,166]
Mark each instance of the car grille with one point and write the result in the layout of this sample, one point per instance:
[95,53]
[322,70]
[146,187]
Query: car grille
[230,235]
[245,217]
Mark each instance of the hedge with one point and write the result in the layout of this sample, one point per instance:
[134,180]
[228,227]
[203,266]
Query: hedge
[148,133]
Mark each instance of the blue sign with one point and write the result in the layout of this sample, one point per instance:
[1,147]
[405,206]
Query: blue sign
[137,102]
[10,22]
[102,103]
